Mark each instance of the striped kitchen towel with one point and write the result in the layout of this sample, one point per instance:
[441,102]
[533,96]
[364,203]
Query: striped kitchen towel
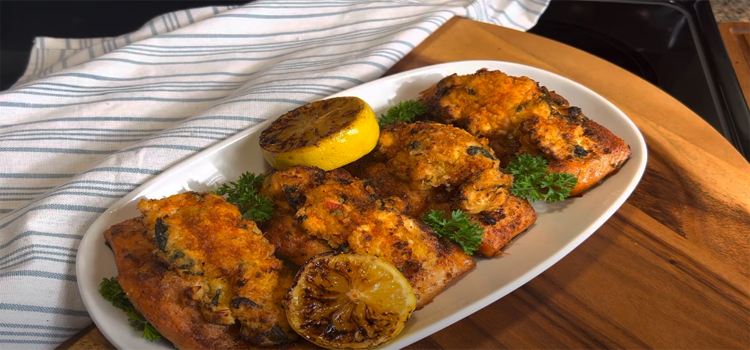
[91,119]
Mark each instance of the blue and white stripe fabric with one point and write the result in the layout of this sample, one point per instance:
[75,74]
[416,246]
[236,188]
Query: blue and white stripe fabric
[91,119]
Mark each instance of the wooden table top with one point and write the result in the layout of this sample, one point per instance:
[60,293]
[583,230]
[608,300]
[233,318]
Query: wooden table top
[671,268]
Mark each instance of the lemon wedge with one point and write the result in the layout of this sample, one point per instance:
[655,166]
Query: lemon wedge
[327,134]
[349,301]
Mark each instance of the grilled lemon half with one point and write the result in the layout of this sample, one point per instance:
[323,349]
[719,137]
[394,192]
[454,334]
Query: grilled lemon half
[349,301]
[327,134]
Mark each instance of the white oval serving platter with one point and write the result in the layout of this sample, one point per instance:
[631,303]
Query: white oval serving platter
[559,229]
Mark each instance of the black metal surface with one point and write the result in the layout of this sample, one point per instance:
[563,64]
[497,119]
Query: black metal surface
[674,45]
[737,112]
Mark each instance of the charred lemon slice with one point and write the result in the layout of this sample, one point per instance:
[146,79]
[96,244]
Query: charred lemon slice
[349,301]
[327,134]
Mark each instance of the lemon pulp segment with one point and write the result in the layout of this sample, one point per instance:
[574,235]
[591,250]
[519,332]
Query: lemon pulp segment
[349,301]
[327,134]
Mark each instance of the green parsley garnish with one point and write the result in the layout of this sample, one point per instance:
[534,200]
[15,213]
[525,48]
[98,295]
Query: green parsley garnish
[111,291]
[139,323]
[531,180]
[457,228]
[404,112]
[244,194]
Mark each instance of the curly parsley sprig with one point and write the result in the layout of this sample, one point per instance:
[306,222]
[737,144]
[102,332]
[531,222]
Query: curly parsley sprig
[457,228]
[111,291]
[244,194]
[405,112]
[531,180]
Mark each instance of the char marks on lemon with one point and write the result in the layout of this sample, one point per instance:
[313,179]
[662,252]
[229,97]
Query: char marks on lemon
[349,301]
[327,134]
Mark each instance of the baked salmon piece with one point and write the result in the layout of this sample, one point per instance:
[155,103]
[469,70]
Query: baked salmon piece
[286,191]
[317,211]
[517,116]
[233,274]
[158,293]
[433,166]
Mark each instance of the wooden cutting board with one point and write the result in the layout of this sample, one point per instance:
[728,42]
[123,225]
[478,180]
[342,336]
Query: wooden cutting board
[671,269]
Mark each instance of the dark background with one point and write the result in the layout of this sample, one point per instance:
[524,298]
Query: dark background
[21,21]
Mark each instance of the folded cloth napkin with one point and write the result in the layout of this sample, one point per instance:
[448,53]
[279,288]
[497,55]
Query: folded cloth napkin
[91,119]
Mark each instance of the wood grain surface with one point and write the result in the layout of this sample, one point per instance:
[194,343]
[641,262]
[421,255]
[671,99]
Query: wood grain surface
[736,37]
[671,269]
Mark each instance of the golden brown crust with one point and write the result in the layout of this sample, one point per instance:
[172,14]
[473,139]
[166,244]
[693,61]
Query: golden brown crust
[335,206]
[286,190]
[473,101]
[338,211]
[502,225]
[146,279]
[450,170]
[428,155]
[429,263]
[291,241]
[235,276]
[416,201]
[611,155]
[518,115]
[484,191]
